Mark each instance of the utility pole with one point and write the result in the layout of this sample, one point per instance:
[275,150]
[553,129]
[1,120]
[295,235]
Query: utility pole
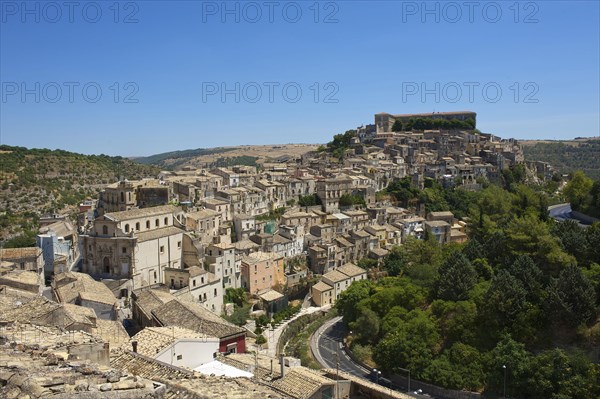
[504,385]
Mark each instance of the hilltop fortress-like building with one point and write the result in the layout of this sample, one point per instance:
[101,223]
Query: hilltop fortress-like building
[385,121]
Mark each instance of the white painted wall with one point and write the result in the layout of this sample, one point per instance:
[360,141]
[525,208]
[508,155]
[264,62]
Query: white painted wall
[193,351]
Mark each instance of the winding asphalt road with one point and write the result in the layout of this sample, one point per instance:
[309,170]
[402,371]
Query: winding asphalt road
[327,347]
[560,212]
[326,344]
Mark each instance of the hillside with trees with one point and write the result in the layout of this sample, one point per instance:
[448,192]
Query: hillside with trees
[568,156]
[171,160]
[34,182]
[522,293]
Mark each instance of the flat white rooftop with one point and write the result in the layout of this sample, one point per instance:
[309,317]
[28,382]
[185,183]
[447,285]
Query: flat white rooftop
[217,368]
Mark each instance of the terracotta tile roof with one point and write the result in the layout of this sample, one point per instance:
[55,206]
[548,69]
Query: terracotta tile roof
[71,285]
[19,253]
[147,300]
[143,212]
[271,295]
[20,277]
[301,383]
[351,270]
[322,287]
[247,362]
[158,233]
[145,367]
[203,214]
[195,317]
[152,340]
[335,276]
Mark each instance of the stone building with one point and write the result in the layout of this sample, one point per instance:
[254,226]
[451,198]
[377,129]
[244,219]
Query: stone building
[262,271]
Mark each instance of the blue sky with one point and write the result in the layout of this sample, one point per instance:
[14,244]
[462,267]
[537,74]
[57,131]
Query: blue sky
[161,68]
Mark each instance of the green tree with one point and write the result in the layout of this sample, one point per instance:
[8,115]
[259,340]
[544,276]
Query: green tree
[529,275]
[260,340]
[457,320]
[413,345]
[366,326]
[572,239]
[572,297]
[460,367]
[554,374]
[456,277]
[347,303]
[397,126]
[577,189]
[403,293]
[510,357]
[394,261]
[505,301]
[530,236]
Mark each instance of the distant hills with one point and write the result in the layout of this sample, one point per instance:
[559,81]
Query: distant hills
[567,155]
[38,181]
[225,156]
[173,159]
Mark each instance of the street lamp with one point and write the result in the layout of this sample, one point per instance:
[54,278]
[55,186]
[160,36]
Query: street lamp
[504,385]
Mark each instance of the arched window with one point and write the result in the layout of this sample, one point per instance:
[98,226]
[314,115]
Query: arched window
[166,221]
[137,226]
[147,224]
[122,196]
[104,229]
[127,228]
[106,264]
[156,223]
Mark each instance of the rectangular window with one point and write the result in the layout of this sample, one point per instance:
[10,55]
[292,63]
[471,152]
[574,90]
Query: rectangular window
[215,292]
[124,250]
[162,249]
[178,244]
[179,357]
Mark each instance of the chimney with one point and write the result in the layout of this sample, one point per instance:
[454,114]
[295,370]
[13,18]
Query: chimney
[281,363]
[134,345]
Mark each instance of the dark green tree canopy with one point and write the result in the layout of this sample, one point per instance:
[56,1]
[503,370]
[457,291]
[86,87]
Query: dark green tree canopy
[456,277]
